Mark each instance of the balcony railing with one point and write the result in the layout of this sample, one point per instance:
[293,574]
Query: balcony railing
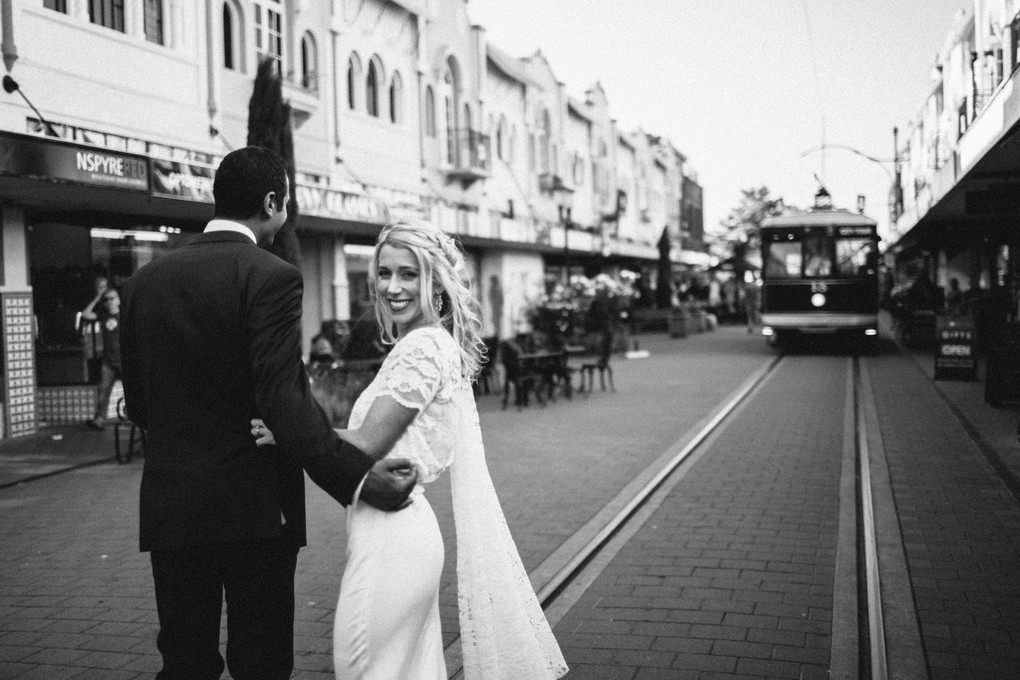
[467,154]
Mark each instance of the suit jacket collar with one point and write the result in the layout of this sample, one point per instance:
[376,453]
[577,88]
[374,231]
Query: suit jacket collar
[220,237]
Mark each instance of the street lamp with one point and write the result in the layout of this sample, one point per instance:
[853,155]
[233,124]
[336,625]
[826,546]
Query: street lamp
[10,86]
[564,198]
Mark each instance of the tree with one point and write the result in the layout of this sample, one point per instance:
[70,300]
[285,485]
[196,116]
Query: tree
[742,226]
[269,125]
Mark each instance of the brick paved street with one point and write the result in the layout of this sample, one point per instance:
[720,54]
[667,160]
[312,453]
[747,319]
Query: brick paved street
[731,577]
[76,601]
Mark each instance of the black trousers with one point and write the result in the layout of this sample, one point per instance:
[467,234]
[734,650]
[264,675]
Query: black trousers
[257,579]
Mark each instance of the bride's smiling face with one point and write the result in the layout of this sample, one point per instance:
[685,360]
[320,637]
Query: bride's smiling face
[398,287]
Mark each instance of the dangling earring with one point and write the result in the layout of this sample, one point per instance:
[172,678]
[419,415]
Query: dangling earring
[437,303]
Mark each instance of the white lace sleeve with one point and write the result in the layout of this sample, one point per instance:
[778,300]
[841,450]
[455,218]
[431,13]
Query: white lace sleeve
[414,373]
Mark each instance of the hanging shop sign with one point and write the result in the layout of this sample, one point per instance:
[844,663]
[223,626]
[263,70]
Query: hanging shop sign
[182,180]
[27,156]
[340,205]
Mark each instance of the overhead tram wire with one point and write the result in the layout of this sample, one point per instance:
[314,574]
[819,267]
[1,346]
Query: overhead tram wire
[818,81]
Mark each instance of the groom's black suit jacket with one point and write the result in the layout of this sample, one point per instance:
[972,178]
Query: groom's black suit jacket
[211,337]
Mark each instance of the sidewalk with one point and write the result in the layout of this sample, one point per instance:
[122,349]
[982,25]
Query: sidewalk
[994,428]
[52,450]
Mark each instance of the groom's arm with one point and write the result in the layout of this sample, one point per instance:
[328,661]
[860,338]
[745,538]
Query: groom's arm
[283,396]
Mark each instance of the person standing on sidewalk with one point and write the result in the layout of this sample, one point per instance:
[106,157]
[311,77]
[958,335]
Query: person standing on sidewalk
[752,301]
[211,338]
[105,308]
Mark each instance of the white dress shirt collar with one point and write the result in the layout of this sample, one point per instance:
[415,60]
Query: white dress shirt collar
[230,225]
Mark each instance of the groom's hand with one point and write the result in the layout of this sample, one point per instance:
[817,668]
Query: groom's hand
[389,483]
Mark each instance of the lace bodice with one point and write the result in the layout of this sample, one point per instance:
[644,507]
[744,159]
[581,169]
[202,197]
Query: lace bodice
[422,372]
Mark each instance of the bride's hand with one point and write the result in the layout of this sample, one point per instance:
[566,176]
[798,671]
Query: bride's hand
[263,435]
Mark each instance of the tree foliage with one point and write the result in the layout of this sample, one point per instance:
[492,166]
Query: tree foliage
[741,227]
[269,125]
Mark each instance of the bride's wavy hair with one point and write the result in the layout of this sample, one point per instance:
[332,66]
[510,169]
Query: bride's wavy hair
[442,269]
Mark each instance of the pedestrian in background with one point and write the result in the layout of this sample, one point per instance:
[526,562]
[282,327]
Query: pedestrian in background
[105,308]
[752,301]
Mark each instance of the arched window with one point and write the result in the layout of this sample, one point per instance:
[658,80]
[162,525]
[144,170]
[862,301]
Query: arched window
[309,63]
[233,37]
[449,90]
[430,112]
[396,99]
[372,90]
[353,81]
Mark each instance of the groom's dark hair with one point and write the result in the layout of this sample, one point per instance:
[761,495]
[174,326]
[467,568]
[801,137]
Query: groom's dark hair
[244,178]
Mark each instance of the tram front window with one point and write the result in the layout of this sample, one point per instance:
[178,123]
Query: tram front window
[855,257]
[782,260]
[817,260]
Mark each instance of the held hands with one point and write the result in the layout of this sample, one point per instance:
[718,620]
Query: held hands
[263,435]
[389,484]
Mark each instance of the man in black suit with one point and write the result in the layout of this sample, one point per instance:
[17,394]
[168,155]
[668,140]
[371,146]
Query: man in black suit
[211,338]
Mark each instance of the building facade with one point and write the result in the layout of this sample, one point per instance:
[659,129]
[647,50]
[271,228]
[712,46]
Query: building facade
[955,203]
[116,114]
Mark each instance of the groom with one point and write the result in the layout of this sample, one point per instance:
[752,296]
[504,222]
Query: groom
[211,338]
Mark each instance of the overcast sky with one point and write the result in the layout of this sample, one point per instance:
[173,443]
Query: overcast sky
[742,87]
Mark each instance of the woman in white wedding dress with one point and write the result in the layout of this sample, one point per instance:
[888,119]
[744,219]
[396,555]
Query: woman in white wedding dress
[420,406]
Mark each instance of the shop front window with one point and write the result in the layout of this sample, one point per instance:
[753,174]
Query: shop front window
[64,262]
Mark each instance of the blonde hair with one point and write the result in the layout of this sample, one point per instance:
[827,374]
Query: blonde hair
[441,267]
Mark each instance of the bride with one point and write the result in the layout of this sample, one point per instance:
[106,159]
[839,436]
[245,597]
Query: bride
[420,406]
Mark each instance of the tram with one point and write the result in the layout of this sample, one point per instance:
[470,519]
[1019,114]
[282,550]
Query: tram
[819,272]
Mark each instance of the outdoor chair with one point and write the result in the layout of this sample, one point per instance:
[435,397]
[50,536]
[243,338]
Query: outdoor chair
[599,363]
[517,375]
[135,436]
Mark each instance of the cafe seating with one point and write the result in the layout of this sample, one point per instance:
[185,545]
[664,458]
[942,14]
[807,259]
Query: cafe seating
[519,375]
[600,363]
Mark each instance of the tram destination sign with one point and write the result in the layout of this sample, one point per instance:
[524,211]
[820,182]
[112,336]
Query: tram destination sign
[857,230]
[40,158]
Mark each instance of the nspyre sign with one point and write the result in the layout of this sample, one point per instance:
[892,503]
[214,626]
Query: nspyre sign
[26,156]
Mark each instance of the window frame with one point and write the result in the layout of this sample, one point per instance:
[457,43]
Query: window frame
[372,78]
[396,97]
[267,35]
[309,62]
[153,20]
[110,14]
[430,112]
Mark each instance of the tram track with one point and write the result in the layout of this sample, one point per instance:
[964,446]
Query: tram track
[566,574]
[875,627]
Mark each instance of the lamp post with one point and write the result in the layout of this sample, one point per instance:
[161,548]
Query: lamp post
[11,85]
[564,198]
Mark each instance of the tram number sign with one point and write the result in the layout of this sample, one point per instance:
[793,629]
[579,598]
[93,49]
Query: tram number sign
[954,355]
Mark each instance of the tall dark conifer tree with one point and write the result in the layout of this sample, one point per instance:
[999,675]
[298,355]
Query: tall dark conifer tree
[664,284]
[269,125]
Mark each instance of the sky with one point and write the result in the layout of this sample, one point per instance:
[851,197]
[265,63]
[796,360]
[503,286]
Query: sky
[747,90]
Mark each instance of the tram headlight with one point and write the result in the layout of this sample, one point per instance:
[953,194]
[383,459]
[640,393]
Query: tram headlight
[767,330]
[870,332]
[818,300]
